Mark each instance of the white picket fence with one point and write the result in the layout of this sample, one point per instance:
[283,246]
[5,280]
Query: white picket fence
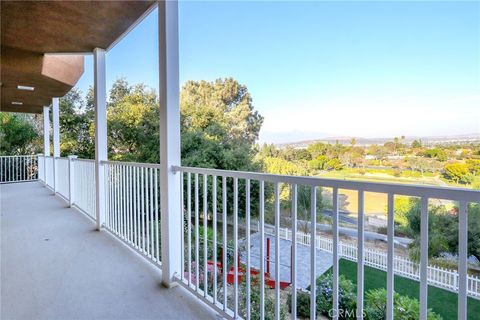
[437,276]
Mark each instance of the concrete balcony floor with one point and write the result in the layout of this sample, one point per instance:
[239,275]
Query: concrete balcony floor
[54,265]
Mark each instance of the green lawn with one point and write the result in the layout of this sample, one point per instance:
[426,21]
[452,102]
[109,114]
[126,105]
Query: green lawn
[440,301]
[386,175]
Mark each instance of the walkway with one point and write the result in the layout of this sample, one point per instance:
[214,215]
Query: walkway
[54,265]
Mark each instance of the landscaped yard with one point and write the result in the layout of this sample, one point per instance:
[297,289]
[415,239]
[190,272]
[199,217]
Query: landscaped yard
[441,301]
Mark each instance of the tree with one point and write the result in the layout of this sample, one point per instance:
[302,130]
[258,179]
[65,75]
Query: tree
[293,154]
[380,152]
[439,220]
[422,164]
[268,150]
[416,144]
[319,163]
[283,167]
[353,142]
[395,144]
[76,121]
[437,153]
[219,125]
[334,164]
[317,149]
[18,135]
[458,172]
[474,166]
[219,128]
[133,123]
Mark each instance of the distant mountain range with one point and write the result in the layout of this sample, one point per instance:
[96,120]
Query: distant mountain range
[431,140]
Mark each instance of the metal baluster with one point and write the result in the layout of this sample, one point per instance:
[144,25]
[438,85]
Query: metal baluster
[335,254]
[294,252]
[189,227]
[360,255]
[235,246]
[214,212]
[462,259]
[277,251]
[205,237]
[247,218]
[390,252]
[262,250]
[423,258]
[313,253]
[197,236]
[157,225]
[224,242]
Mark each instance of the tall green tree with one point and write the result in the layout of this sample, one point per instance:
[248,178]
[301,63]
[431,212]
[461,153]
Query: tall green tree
[76,122]
[133,123]
[219,128]
[219,125]
[18,134]
[439,220]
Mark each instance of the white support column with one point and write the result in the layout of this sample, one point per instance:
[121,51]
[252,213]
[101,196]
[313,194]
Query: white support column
[56,140]
[101,153]
[171,216]
[46,140]
[71,177]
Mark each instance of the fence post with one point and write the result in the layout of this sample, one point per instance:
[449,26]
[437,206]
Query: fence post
[71,168]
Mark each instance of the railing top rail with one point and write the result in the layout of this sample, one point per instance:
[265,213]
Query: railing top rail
[133,164]
[447,193]
[18,156]
[83,160]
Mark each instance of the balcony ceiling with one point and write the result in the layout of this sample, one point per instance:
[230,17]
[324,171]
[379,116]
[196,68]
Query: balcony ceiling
[34,34]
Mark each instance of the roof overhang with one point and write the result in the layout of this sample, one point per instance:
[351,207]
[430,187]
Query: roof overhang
[43,43]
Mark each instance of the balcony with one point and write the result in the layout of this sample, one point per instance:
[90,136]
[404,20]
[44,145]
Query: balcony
[94,238]
[56,265]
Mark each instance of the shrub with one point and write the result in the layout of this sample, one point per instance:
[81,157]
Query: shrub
[346,294]
[347,300]
[404,308]
[303,303]
[255,301]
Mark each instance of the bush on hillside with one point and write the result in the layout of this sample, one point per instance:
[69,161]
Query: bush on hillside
[404,308]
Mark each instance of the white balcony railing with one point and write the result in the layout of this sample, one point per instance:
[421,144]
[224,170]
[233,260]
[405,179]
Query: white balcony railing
[18,168]
[210,196]
[133,206]
[220,193]
[83,185]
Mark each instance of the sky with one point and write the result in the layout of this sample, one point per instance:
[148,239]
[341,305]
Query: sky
[326,69]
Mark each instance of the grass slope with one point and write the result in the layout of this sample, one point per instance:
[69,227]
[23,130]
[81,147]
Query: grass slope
[440,301]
